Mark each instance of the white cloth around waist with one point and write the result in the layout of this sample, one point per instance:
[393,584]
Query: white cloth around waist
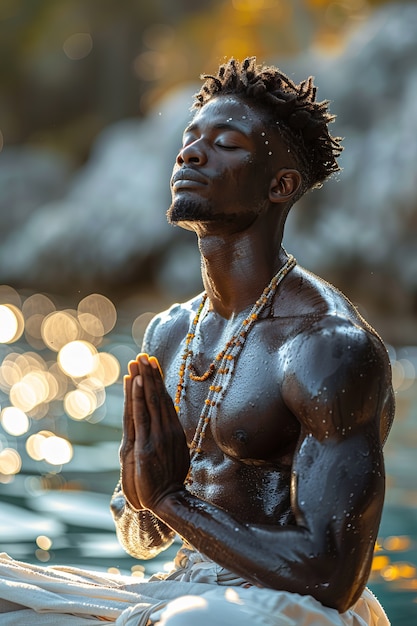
[63,596]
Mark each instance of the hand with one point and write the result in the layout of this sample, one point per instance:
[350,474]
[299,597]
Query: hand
[154,453]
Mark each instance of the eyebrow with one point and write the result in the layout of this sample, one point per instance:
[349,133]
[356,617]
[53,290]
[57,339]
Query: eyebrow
[219,126]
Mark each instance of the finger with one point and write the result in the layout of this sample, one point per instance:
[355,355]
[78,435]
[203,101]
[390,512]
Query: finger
[167,418]
[141,417]
[153,361]
[167,409]
[153,393]
[133,368]
[128,424]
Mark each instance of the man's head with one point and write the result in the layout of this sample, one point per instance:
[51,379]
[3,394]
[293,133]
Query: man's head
[301,121]
[256,144]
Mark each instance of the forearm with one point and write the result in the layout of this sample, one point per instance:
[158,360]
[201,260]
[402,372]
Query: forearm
[140,533]
[286,558]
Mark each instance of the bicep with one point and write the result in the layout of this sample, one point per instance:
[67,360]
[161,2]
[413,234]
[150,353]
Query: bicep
[338,392]
[338,486]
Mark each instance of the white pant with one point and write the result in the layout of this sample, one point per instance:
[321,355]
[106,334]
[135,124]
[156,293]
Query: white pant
[198,592]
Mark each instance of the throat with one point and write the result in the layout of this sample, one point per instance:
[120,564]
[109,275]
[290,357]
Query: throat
[232,280]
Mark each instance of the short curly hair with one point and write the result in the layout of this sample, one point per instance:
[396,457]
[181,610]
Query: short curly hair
[302,122]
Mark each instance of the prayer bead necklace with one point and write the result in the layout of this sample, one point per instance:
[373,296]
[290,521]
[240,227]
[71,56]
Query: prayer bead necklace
[223,364]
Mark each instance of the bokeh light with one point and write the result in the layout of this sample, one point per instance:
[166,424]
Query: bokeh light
[106,368]
[78,46]
[56,450]
[34,444]
[80,403]
[10,462]
[31,390]
[58,329]
[11,323]
[44,445]
[42,555]
[97,314]
[43,542]
[9,295]
[139,327]
[62,375]
[14,421]
[76,358]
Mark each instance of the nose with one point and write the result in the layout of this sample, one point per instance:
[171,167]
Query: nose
[192,153]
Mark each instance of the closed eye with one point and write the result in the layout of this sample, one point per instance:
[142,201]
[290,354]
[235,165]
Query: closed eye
[226,146]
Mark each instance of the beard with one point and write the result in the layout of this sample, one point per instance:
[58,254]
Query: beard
[190,210]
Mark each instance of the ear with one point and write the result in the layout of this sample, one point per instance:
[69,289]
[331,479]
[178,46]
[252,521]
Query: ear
[284,185]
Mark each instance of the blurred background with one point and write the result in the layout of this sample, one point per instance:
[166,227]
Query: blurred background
[94,96]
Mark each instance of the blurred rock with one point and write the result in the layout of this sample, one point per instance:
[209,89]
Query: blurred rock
[109,229]
[363,223]
[29,177]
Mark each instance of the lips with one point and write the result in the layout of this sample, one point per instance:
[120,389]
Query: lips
[187,178]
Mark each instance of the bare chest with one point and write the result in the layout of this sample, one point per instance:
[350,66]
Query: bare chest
[246,419]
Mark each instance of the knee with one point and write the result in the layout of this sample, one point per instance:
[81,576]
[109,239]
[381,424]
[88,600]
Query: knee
[197,610]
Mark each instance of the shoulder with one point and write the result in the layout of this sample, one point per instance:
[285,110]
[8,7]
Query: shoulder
[335,364]
[306,294]
[168,324]
[327,319]
[339,344]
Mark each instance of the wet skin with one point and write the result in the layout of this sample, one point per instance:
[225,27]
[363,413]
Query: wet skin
[289,488]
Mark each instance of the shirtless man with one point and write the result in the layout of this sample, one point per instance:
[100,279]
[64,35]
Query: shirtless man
[271,381]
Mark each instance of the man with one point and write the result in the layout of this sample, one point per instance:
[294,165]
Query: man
[255,429]
[260,443]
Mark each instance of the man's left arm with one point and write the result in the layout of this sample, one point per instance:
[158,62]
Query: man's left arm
[337,485]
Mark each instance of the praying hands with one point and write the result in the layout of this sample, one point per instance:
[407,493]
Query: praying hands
[154,454]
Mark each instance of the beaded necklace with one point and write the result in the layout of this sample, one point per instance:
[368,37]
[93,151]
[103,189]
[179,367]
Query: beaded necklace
[223,364]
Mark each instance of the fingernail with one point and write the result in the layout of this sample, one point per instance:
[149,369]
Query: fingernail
[144,358]
[154,362]
[139,380]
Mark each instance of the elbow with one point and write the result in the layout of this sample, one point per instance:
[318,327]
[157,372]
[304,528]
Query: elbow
[331,583]
[339,589]
[334,598]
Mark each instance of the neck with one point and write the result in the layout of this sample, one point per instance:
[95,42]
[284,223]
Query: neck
[236,267]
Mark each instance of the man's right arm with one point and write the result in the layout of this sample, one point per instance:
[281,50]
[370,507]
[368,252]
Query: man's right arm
[139,531]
